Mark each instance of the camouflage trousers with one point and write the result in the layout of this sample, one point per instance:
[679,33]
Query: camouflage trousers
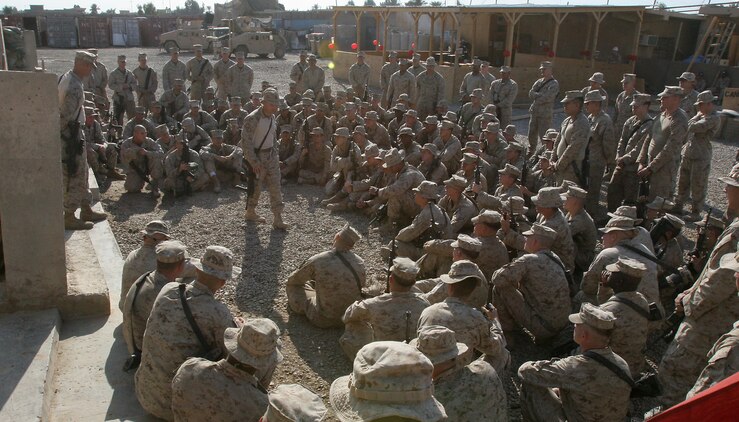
[692,183]
[271,178]
[595,183]
[153,168]
[662,183]
[540,121]
[197,89]
[102,154]
[624,187]
[172,182]
[567,173]
[312,177]
[402,207]
[145,99]
[127,107]
[515,313]
[289,170]
[223,169]
[540,404]
[303,301]
[356,335]
[504,115]
[425,108]
[221,90]
[433,265]
[76,190]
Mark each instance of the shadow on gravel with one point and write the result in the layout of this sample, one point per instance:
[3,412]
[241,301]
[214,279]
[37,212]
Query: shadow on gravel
[130,204]
[318,347]
[260,265]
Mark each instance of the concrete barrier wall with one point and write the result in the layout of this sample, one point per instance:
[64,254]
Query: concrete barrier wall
[31,191]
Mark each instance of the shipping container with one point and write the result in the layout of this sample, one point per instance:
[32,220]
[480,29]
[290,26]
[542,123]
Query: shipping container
[151,28]
[61,31]
[94,32]
[125,32]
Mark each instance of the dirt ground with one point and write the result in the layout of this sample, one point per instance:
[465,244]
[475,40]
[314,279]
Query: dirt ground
[312,356]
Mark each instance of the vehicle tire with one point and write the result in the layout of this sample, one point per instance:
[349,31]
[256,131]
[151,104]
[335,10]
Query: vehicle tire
[169,46]
[280,51]
[244,49]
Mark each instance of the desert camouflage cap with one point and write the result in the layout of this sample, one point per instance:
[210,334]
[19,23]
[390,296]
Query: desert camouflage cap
[156,227]
[628,266]
[451,116]
[349,234]
[170,251]
[371,115]
[406,131]
[188,122]
[593,316]
[216,261]
[510,130]
[294,403]
[428,190]
[545,65]
[456,181]
[673,220]
[433,149]
[392,158]
[547,198]
[162,129]
[431,120]
[412,113]
[618,224]
[571,96]
[359,130]
[515,205]
[477,93]
[342,132]
[705,97]
[490,108]
[510,170]
[626,211]
[404,62]
[316,131]
[628,77]
[687,76]
[216,133]
[460,271]
[670,91]
[593,96]
[85,56]
[447,124]
[404,268]
[487,217]
[469,158]
[256,343]
[493,127]
[575,192]
[541,230]
[121,57]
[473,146]
[514,146]
[438,343]
[467,243]
[430,62]
[505,69]
[389,379]
[598,78]
[270,96]
[371,151]
[640,99]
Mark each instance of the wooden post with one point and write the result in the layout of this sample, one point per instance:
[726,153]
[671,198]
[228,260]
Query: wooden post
[358,17]
[474,32]
[377,29]
[677,40]
[333,35]
[385,15]
[432,17]
[511,21]
[637,35]
[699,48]
[599,16]
[558,19]
[441,43]
[457,42]
[416,17]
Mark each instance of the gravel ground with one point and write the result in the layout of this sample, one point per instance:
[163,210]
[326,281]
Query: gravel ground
[312,356]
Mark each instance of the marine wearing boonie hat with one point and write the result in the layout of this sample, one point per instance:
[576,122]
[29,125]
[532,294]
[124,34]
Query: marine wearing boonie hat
[217,261]
[343,132]
[472,146]
[598,78]
[392,158]
[733,178]
[255,344]
[428,190]
[349,235]
[477,92]
[640,99]
[705,97]
[574,192]
[294,403]
[628,77]
[571,96]
[446,124]
[468,158]
[359,129]
[456,182]
[626,211]
[671,91]
[433,149]
[406,131]
[545,65]
[371,115]
[510,130]
[460,271]
[316,131]
[515,205]
[686,76]
[593,96]
[439,344]
[371,151]
[389,379]
[270,96]
[510,170]
[85,57]
[493,127]
[541,230]
[618,224]
[628,266]
[514,146]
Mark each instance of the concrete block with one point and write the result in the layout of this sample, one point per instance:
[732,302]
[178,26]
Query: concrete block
[29,342]
[87,293]
[92,183]
[31,206]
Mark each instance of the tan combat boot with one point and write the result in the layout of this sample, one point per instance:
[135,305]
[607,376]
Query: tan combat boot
[251,215]
[73,223]
[88,214]
[278,223]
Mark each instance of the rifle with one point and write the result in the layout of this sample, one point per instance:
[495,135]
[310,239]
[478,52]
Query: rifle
[393,255]
[433,232]
[524,172]
[75,145]
[365,97]
[511,217]
[379,216]
[407,327]
[185,158]
[138,170]
[432,168]
[673,324]
[700,242]
[641,208]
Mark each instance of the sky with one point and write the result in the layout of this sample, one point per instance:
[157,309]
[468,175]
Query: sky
[302,4]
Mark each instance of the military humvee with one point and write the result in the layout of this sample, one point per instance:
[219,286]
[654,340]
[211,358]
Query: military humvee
[185,38]
[258,42]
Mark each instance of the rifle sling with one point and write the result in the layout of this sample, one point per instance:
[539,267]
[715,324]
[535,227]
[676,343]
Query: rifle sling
[652,258]
[191,320]
[632,305]
[138,283]
[348,265]
[269,129]
[148,77]
[611,367]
